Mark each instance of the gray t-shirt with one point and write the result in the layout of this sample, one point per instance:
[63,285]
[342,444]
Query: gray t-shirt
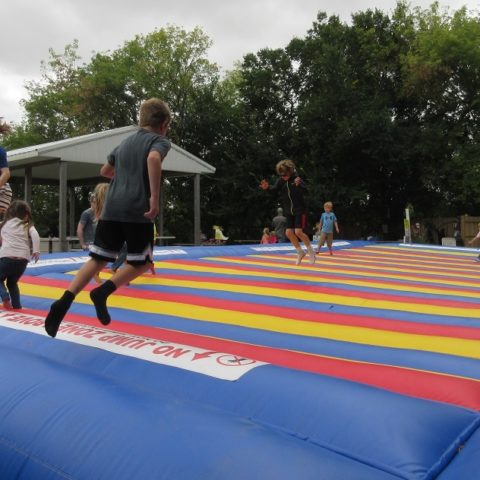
[279,225]
[89,222]
[129,192]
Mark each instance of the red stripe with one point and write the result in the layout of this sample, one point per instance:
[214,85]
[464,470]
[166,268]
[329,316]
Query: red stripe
[431,386]
[377,273]
[340,256]
[331,290]
[284,312]
[330,275]
[438,257]
[406,258]
[419,265]
[335,271]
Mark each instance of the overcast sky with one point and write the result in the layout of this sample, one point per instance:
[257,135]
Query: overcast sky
[236,27]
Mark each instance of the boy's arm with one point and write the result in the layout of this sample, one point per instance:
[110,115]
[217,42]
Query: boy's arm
[300,183]
[35,243]
[80,231]
[336,226]
[4,176]
[277,184]
[107,171]
[154,166]
[80,235]
[474,239]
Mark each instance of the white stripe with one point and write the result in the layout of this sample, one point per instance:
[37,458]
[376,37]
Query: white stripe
[207,362]
[102,252]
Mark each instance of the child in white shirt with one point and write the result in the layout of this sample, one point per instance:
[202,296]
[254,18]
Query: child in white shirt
[20,242]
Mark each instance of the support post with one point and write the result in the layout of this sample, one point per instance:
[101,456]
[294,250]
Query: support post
[406,225]
[196,210]
[62,206]
[27,194]
[160,226]
[71,212]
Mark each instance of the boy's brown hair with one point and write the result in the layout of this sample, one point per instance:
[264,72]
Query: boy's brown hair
[154,113]
[4,127]
[285,167]
[328,204]
[18,209]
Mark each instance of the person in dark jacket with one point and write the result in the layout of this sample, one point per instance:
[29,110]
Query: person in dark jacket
[291,189]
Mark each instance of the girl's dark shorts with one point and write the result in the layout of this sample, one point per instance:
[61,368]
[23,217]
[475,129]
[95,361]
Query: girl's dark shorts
[297,221]
[110,237]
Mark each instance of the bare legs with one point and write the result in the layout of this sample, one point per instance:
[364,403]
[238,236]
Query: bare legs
[121,277]
[294,236]
[98,295]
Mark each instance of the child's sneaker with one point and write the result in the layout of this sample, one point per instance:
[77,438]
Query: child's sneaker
[300,256]
[7,304]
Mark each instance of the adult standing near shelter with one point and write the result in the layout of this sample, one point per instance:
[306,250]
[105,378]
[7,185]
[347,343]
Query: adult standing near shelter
[5,189]
[87,224]
[279,224]
[135,168]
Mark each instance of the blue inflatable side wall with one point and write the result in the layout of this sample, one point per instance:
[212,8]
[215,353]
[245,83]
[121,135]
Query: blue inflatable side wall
[72,411]
[82,413]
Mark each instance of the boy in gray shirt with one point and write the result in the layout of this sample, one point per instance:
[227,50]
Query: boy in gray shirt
[132,203]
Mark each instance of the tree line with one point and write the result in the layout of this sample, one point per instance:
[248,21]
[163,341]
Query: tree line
[379,113]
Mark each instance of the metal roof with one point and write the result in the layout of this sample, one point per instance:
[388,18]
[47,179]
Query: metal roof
[86,153]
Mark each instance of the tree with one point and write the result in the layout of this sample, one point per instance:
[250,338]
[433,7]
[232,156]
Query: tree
[51,100]
[377,113]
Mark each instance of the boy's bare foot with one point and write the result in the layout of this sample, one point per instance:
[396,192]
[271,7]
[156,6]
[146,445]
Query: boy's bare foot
[311,255]
[300,257]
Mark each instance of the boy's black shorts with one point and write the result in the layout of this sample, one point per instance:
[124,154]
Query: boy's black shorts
[297,221]
[110,237]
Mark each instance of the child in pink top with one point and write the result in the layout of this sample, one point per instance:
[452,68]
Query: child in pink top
[265,236]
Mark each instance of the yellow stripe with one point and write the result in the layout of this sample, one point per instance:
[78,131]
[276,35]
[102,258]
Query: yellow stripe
[420,267]
[465,258]
[349,360]
[332,262]
[367,336]
[305,295]
[299,276]
[434,251]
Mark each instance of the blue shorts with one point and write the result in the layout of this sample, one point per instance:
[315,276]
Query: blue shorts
[110,237]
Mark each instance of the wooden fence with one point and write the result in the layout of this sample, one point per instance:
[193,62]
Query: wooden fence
[438,228]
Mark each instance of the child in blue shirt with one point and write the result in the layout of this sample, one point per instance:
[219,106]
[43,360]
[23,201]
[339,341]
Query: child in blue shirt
[327,221]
